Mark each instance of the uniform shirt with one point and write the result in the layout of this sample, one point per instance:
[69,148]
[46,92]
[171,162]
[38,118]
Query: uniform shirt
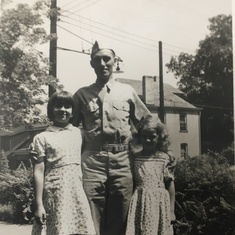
[108,112]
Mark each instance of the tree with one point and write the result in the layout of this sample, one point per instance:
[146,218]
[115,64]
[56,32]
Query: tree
[205,196]
[24,69]
[207,80]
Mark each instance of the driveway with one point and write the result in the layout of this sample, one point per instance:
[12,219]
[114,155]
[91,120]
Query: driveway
[14,229]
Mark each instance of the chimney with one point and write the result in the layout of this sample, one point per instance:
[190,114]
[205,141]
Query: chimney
[150,89]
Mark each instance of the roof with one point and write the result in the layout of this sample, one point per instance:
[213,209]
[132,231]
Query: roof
[16,130]
[172,95]
[136,84]
[5,133]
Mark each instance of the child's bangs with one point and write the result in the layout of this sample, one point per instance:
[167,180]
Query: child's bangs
[63,100]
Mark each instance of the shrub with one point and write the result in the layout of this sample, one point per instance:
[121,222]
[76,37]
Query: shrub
[3,163]
[205,196]
[16,192]
[6,213]
[228,154]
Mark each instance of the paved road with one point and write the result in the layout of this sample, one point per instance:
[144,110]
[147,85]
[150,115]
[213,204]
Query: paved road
[14,229]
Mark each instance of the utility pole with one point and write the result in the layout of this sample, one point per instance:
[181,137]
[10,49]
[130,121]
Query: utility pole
[161,89]
[53,44]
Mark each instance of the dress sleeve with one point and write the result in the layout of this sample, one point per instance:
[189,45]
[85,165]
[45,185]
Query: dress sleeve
[39,147]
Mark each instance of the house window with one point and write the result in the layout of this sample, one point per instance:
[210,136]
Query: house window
[183,122]
[184,150]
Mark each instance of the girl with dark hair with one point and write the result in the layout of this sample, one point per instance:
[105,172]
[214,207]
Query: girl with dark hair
[152,205]
[61,206]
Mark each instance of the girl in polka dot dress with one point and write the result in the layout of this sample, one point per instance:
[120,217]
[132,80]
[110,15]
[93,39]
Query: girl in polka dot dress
[61,206]
[152,205]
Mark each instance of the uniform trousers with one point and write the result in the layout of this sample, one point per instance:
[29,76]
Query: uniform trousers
[108,184]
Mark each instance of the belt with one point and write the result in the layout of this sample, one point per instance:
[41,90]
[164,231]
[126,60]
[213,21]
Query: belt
[114,148]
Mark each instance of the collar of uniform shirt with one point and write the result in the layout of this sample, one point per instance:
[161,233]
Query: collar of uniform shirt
[109,84]
[57,128]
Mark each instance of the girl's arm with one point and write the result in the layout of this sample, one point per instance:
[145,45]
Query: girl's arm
[38,174]
[171,190]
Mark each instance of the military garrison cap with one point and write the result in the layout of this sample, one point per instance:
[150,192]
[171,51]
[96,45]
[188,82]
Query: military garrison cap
[98,46]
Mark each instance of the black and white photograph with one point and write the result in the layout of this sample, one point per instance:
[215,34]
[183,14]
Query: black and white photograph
[117,117]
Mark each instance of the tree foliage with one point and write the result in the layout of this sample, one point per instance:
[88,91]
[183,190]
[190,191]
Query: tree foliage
[24,68]
[207,80]
[16,192]
[205,196]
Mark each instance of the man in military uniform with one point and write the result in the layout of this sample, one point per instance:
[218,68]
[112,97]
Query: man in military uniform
[108,110]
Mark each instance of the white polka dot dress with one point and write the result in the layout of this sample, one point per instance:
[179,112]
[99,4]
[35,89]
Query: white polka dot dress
[149,212]
[64,199]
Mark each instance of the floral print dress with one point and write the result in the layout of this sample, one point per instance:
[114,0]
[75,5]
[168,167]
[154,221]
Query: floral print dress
[149,211]
[64,199]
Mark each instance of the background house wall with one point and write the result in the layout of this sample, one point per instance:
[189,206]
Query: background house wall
[191,137]
[187,141]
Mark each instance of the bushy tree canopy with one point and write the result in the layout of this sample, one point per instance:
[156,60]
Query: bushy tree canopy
[24,69]
[207,79]
[205,196]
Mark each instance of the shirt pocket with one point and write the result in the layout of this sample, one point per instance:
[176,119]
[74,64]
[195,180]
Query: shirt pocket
[90,108]
[121,106]
[121,113]
[91,113]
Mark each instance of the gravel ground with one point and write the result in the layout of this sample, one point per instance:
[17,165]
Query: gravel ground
[14,229]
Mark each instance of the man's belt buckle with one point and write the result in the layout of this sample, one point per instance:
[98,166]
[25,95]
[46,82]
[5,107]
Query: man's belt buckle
[115,148]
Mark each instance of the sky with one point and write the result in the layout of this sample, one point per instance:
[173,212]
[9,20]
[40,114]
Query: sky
[133,28]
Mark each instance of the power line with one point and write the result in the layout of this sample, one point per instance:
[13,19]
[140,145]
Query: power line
[67,49]
[78,4]
[170,49]
[113,38]
[116,29]
[155,50]
[86,1]
[179,47]
[74,34]
[110,32]
[105,30]
[88,5]
[68,3]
